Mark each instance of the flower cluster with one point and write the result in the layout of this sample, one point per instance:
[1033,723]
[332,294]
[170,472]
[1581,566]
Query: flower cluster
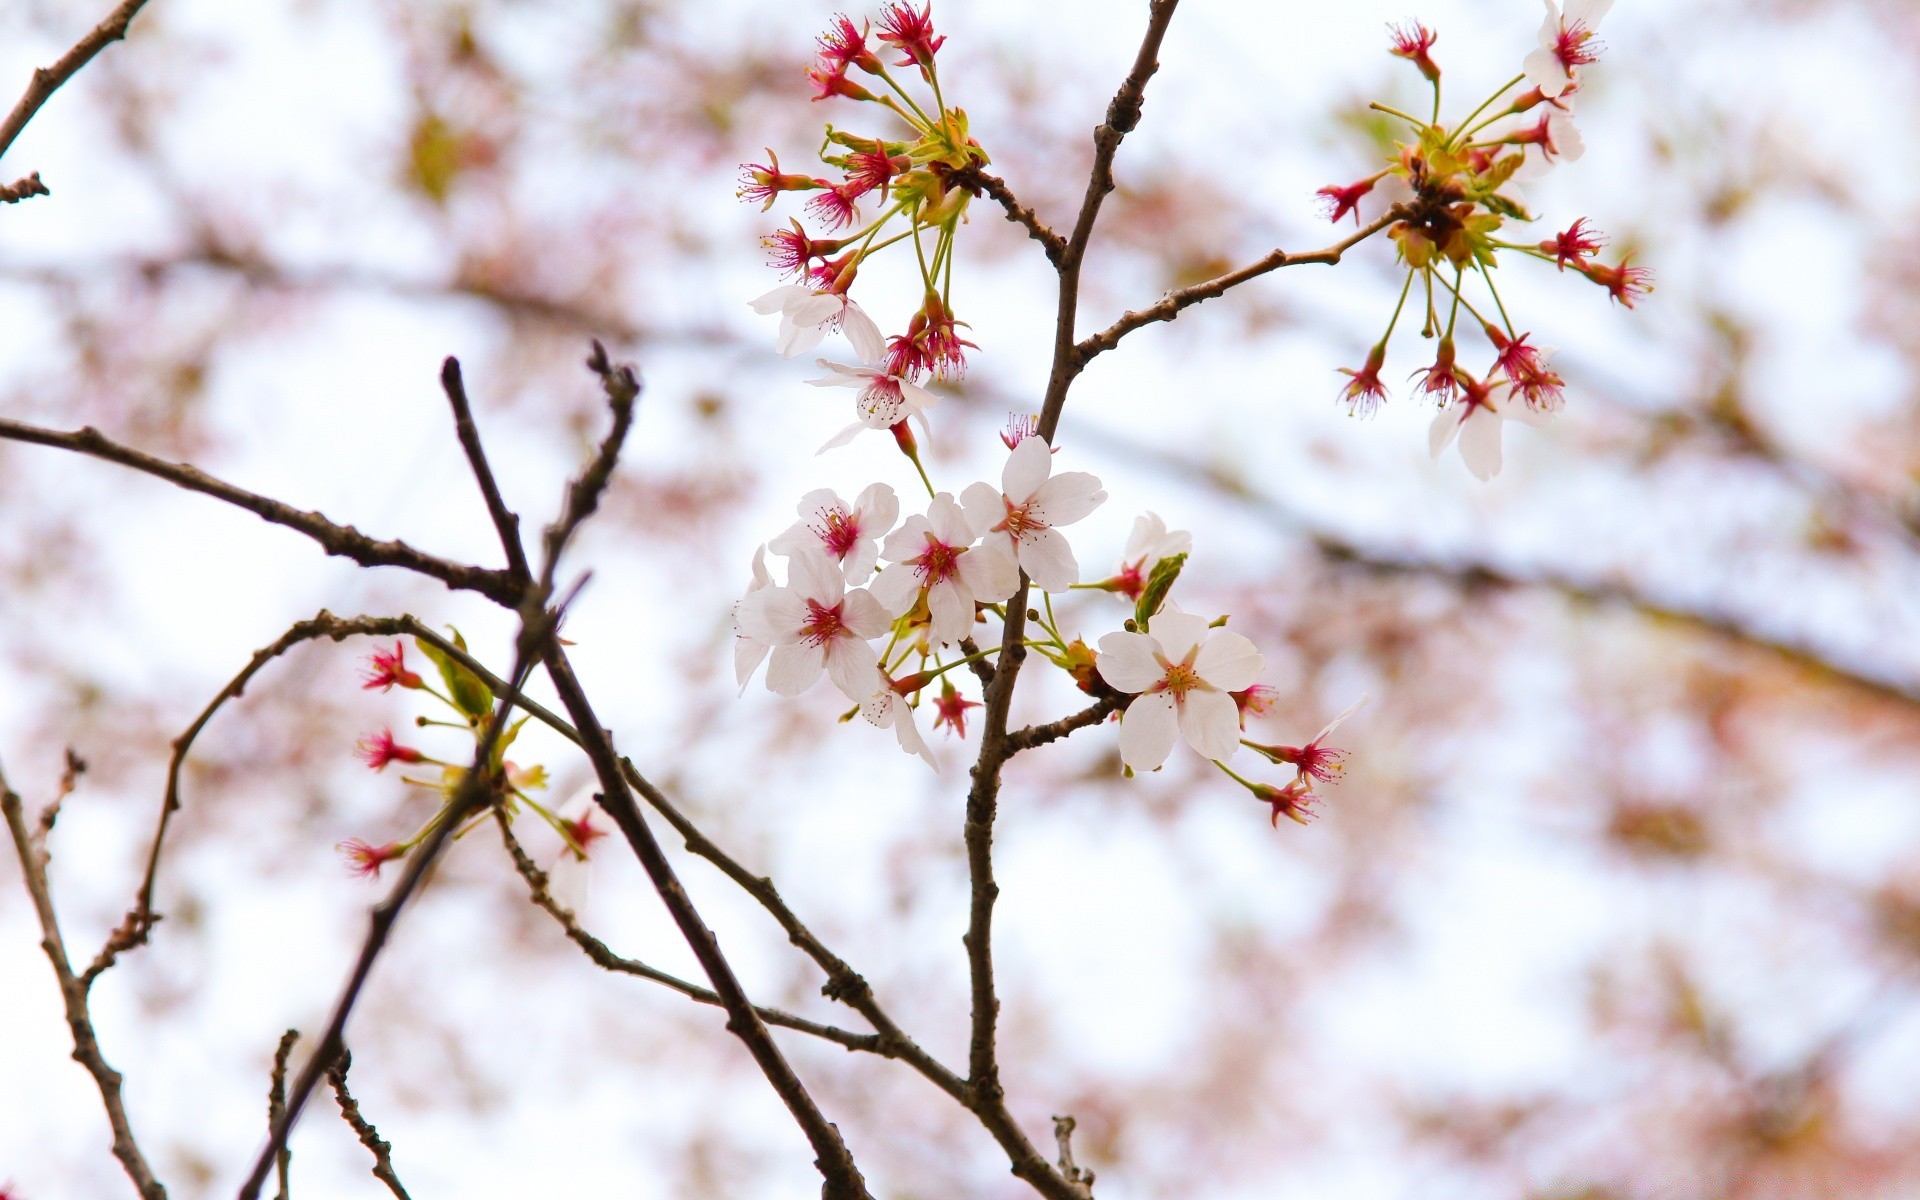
[1451,193]
[471,701]
[907,183]
[886,607]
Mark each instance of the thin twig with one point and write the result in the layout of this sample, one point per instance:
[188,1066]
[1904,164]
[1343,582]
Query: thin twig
[33,856]
[473,794]
[505,523]
[22,189]
[363,1128]
[342,540]
[277,1104]
[977,180]
[1063,1138]
[1171,305]
[1040,735]
[604,957]
[47,80]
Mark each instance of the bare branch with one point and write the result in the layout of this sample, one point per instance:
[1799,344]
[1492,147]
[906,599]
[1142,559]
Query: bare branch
[33,856]
[23,189]
[1063,1138]
[363,1128]
[277,1104]
[342,540]
[505,523]
[1171,305]
[47,80]
[976,180]
[1040,735]
[604,957]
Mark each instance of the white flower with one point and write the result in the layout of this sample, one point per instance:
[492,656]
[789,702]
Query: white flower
[1150,542]
[887,709]
[884,400]
[1554,139]
[934,555]
[1183,673]
[807,314]
[1477,422]
[1566,42]
[748,651]
[848,535]
[1021,517]
[815,624]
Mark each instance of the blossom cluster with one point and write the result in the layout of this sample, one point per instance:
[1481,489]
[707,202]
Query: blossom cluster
[909,179]
[888,607]
[1451,191]
[471,701]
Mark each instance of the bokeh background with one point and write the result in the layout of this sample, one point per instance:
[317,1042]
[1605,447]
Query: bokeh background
[1620,897]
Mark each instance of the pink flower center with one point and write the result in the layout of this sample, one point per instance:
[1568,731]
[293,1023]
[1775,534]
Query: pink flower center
[939,562]
[822,624]
[1575,47]
[1021,521]
[839,532]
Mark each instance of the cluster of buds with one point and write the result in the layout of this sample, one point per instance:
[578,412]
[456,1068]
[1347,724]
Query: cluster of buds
[1451,191]
[907,183]
[470,702]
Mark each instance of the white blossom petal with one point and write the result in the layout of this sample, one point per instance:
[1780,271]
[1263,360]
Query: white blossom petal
[843,437]
[864,615]
[1210,721]
[1047,559]
[1480,443]
[794,668]
[772,615]
[854,667]
[778,299]
[1027,468]
[1148,730]
[990,574]
[1129,662]
[1446,423]
[1067,497]
[1228,661]
[896,587]
[1178,632]
[814,576]
[984,507]
[952,608]
[862,333]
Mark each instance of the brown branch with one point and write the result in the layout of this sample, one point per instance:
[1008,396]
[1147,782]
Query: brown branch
[47,80]
[474,793]
[1171,305]
[1040,735]
[602,956]
[277,1104]
[342,540]
[33,856]
[1063,1138]
[976,180]
[505,523]
[22,189]
[1123,113]
[363,1128]
[843,1180]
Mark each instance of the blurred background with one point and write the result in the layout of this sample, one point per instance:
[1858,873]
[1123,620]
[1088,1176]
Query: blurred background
[1619,898]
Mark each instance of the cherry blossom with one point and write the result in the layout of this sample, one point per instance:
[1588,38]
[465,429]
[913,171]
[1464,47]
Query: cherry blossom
[365,860]
[888,709]
[815,624]
[1574,246]
[1477,418]
[379,749]
[850,535]
[951,708]
[1566,43]
[807,313]
[1150,542]
[581,833]
[1183,674]
[749,651]
[1552,139]
[1315,762]
[386,669]
[1021,518]
[935,556]
[885,399]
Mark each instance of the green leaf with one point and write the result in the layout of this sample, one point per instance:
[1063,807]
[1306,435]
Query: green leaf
[468,692]
[1158,585]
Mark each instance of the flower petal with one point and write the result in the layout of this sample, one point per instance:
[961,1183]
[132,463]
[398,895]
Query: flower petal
[854,668]
[813,576]
[843,437]
[896,588]
[1228,661]
[879,508]
[864,615]
[863,333]
[1067,497]
[1480,443]
[1178,632]
[748,653]
[1129,662]
[1446,423]
[1048,560]
[1027,468]
[1210,721]
[989,573]
[1148,729]
[984,507]
[794,668]
[772,615]
[948,521]
[952,611]
[777,299]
